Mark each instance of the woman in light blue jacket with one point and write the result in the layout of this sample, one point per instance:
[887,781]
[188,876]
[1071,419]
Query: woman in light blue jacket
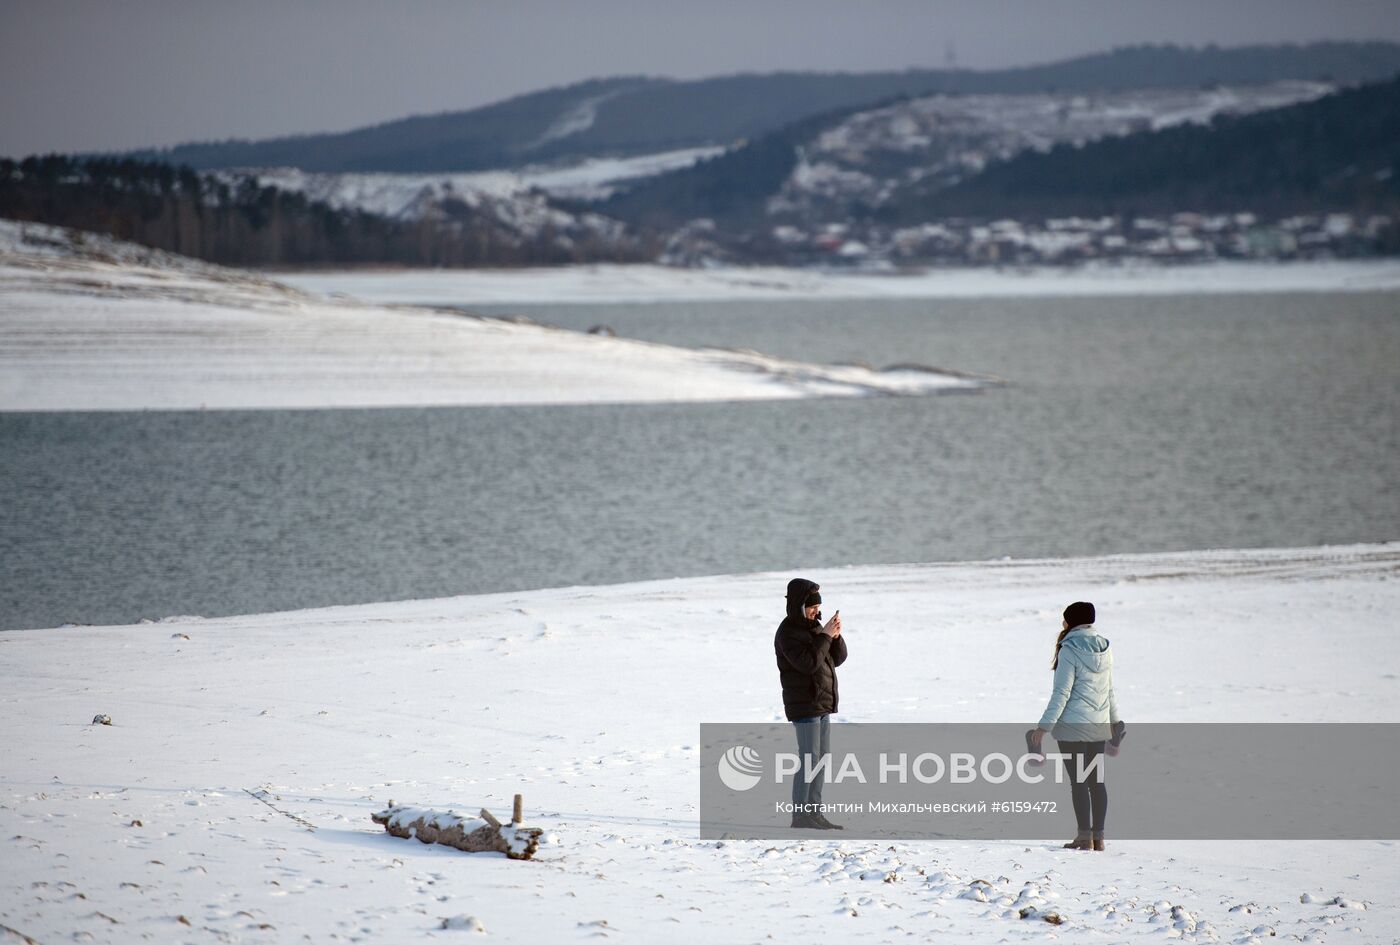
[1082,715]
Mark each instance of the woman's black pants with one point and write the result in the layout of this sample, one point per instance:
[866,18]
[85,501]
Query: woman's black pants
[1088,792]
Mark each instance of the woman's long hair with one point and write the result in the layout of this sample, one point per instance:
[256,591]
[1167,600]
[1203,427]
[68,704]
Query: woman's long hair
[1059,641]
[1080,613]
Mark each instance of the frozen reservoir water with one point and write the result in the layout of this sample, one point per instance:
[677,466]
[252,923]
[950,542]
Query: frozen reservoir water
[1129,424]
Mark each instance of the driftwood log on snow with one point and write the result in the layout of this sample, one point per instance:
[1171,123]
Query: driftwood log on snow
[481,834]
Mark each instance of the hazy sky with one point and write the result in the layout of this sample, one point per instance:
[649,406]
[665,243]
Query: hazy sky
[108,74]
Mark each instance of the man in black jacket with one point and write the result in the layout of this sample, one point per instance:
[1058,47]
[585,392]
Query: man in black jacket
[808,653]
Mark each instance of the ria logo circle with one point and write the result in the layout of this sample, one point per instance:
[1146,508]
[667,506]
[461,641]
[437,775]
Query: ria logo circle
[740,768]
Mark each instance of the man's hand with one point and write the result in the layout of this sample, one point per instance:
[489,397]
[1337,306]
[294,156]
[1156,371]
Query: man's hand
[833,626]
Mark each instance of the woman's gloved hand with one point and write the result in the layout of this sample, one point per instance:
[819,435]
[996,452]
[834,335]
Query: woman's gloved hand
[1119,730]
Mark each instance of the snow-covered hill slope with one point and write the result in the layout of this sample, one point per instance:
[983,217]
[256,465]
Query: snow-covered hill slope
[588,701]
[89,323]
[897,152]
[519,207]
[866,161]
[411,196]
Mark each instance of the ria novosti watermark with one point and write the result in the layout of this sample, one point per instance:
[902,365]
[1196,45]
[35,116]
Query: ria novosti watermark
[1204,781]
[959,767]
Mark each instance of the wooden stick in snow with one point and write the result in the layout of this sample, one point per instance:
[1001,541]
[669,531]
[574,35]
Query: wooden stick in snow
[450,829]
[261,795]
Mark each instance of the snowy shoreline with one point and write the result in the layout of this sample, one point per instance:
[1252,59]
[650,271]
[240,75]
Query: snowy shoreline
[90,323]
[588,699]
[652,283]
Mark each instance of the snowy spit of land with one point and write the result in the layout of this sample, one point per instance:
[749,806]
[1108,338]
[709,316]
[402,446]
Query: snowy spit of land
[230,797]
[651,283]
[90,323]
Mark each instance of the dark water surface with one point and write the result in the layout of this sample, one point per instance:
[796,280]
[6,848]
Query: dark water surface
[1131,424]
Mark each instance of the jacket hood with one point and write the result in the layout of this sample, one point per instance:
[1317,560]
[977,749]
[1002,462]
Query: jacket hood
[797,591]
[1085,647]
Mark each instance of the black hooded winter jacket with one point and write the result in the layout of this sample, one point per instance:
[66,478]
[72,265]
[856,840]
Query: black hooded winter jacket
[807,658]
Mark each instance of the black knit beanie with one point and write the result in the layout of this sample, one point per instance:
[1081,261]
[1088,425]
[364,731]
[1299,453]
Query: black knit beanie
[804,591]
[1079,613]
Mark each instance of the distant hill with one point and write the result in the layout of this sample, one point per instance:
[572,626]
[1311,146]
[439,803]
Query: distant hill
[732,187]
[1340,152]
[493,136]
[635,115]
[875,161]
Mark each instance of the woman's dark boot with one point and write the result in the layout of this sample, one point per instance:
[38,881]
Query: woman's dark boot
[1082,841]
[1098,840]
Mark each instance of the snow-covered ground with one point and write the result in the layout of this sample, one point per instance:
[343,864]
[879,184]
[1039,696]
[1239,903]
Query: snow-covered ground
[101,325]
[650,283]
[588,701]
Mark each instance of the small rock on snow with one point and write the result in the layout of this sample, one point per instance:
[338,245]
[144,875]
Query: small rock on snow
[464,923]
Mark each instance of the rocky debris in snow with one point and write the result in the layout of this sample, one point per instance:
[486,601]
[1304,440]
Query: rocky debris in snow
[1033,912]
[464,923]
[974,892]
[16,935]
[101,719]
[1182,919]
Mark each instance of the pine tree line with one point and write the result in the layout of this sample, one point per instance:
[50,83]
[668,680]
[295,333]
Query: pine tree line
[238,221]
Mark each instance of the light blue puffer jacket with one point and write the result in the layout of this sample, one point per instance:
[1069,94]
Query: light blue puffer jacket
[1082,707]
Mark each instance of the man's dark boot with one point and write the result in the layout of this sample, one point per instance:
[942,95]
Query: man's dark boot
[825,824]
[802,821]
[1098,840]
[1083,840]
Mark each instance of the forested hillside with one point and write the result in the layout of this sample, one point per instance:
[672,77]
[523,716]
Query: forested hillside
[634,115]
[1341,152]
[243,223]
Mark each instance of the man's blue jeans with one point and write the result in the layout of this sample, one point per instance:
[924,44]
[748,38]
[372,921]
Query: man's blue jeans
[813,744]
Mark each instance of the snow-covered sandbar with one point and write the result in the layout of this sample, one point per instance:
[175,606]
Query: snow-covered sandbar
[649,283]
[588,701]
[95,324]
